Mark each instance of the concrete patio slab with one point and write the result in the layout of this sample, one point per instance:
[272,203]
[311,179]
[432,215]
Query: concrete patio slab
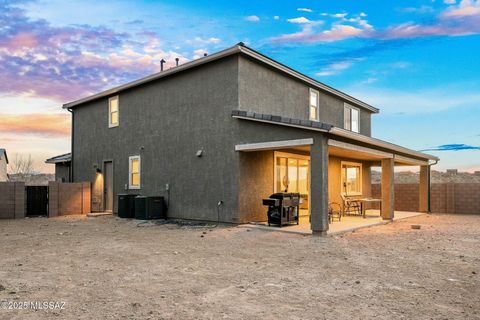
[98,214]
[347,224]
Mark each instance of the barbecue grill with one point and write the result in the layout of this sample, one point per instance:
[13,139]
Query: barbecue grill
[282,208]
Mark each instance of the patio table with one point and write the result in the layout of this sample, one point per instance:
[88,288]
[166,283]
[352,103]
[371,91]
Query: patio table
[364,201]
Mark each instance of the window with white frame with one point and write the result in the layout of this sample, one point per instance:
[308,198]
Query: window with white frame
[113,112]
[134,172]
[351,178]
[351,118]
[313,101]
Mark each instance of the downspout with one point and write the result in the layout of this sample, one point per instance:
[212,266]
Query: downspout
[70,173]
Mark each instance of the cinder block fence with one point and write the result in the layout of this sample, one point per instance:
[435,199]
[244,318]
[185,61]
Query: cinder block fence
[462,198]
[12,200]
[63,199]
[68,198]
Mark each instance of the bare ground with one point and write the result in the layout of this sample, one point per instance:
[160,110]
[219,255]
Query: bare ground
[107,268]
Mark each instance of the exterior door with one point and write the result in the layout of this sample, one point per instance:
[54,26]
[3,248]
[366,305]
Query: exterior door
[108,186]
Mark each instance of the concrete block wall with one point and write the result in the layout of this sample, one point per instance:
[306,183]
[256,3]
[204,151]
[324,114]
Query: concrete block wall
[462,198]
[68,198]
[12,200]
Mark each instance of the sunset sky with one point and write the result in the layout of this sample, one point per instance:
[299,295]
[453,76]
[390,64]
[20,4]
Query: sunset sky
[418,61]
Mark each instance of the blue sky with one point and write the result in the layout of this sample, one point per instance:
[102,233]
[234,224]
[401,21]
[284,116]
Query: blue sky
[415,60]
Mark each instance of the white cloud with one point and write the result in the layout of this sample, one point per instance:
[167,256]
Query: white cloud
[252,18]
[449,1]
[299,20]
[340,15]
[304,9]
[414,102]
[337,67]
[276,17]
[202,41]
[199,53]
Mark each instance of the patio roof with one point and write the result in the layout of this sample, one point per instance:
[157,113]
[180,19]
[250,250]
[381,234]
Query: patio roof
[368,145]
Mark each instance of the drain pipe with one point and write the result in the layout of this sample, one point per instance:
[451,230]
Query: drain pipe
[70,173]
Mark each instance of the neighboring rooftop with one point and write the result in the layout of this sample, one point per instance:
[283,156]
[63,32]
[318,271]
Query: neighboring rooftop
[240,48]
[4,152]
[67,157]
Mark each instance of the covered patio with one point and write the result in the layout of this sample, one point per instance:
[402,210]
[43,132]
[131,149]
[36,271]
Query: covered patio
[326,166]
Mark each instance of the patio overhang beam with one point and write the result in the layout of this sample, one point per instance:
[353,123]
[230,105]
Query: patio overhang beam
[272,145]
[409,161]
[360,150]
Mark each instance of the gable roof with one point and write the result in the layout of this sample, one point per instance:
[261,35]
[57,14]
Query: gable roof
[239,48]
[4,152]
[67,157]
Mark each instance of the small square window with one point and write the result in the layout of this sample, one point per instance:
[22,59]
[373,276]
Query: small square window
[113,112]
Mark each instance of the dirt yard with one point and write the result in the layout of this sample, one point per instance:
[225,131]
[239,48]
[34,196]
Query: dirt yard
[107,268]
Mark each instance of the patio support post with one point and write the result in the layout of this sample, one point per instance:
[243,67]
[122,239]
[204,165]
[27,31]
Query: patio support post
[424,186]
[319,185]
[388,196]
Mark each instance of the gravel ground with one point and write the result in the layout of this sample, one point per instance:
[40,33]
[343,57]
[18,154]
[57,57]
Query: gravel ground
[108,268]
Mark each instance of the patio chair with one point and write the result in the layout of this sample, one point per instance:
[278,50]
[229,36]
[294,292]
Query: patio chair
[334,211]
[351,206]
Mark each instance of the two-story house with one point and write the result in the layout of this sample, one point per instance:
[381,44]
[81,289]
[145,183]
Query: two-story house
[226,130]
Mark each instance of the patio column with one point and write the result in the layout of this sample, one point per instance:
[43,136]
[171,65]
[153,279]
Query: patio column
[319,185]
[424,188]
[388,195]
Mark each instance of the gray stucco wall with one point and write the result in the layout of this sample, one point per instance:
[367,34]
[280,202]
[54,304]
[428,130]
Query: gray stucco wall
[166,122]
[265,90]
[62,172]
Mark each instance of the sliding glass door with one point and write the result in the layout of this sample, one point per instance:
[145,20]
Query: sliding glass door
[292,175]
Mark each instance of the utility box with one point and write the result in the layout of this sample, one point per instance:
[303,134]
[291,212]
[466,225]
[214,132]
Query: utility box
[126,205]
[147,208]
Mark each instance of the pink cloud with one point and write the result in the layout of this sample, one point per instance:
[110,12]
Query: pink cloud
[336,33]
[459,20]
[57,124]
[466,8]
[67,63]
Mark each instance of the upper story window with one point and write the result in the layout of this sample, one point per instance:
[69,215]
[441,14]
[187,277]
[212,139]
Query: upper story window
[351,178]
[113,112]
[313,105]
[134,172]
[351,118]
